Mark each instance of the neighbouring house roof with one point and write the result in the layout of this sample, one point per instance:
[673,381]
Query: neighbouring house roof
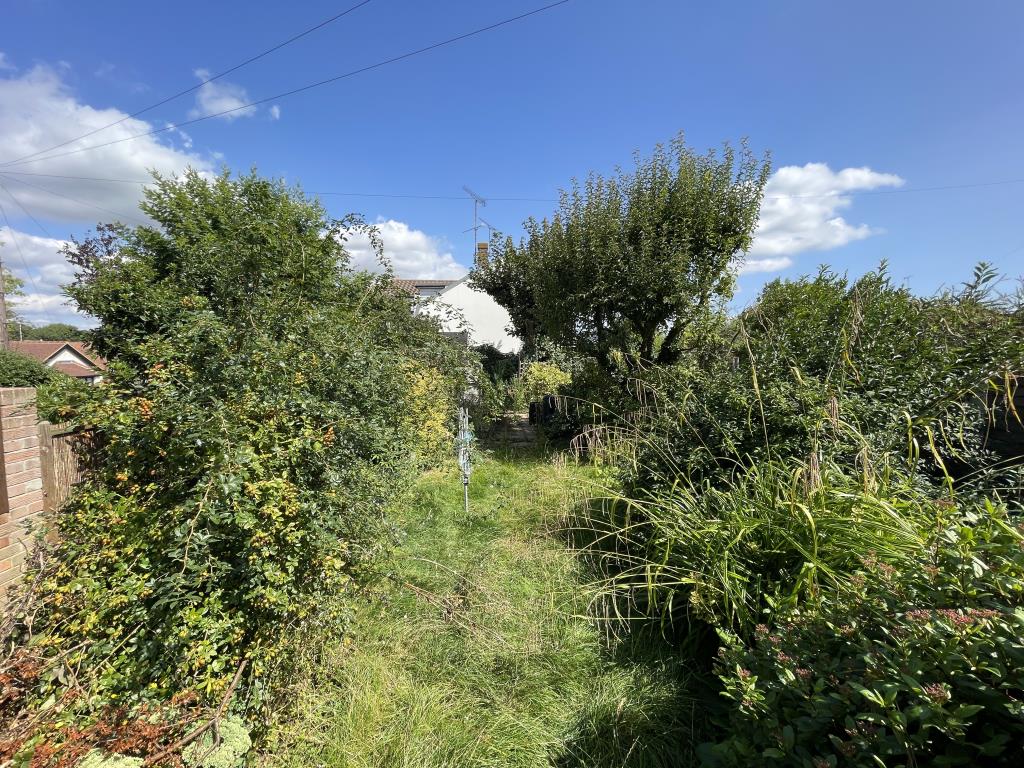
[413,285]
[44,351]
[75,370]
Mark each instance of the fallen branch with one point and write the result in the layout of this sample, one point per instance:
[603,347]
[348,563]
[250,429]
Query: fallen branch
[214,722]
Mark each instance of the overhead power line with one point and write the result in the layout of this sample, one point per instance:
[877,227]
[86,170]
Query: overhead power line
[412,196]
[25,210]
[4,172]
[75,199]
[75,178]
[24,262]
[196,87]
[304,88]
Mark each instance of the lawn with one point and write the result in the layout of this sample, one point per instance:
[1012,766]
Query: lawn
[480,652]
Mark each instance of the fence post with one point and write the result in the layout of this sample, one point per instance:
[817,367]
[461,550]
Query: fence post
[49,475]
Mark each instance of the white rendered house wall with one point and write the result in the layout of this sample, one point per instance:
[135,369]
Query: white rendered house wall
[484,319]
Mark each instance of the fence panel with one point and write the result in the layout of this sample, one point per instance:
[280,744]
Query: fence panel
[63,454]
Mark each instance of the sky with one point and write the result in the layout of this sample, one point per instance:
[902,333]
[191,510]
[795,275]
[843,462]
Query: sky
[894,128]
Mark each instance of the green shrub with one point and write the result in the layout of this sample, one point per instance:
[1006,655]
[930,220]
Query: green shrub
[433,401]
[844,369]
[17,370]
[920,666]
[540,379]
[252,432]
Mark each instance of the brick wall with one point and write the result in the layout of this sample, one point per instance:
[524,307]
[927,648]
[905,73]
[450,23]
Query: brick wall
[21,479]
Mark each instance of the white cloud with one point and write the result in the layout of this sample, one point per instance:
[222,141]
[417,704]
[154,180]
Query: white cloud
[40,264]
[220,96]
[800,213]
[768,264]
[275,112]
[37,111]
[411,252]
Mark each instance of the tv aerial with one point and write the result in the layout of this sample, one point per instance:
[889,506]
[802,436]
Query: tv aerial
[478,203]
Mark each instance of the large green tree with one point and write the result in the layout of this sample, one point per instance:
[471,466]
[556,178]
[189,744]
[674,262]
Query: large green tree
[630,266]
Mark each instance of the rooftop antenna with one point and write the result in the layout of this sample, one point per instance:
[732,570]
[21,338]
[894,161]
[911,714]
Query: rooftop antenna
[478,202]
[483,223]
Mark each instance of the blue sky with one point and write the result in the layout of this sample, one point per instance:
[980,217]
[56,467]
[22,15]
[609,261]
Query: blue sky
[860,104]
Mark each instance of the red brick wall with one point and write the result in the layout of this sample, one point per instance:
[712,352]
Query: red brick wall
[21,480]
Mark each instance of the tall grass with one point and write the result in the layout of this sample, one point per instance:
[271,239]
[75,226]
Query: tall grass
[481,653]
[773,537]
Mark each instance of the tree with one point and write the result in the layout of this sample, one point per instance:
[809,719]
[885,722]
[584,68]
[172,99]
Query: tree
[13,288]
[630,265]
[53,332]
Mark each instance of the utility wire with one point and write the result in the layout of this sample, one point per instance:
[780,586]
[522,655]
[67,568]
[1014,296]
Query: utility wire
[17,246]
[5,172]
[302,89]
[75,200]
[36,221]
[946,187]
[76,178]
[187,91]
[438,197]
[25,210]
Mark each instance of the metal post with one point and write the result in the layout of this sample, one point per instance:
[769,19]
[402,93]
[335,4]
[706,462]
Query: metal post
[464,443]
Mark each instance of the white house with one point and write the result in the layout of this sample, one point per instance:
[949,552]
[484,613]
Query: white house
[463,309]
[69,357]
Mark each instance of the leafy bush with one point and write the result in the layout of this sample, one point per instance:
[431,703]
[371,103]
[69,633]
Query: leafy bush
[844,368]
[432,406]
[921,666]
[17,370]
[253,430]
[540,379]
[54,332]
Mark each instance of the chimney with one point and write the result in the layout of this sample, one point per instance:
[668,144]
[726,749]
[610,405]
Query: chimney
[481,255]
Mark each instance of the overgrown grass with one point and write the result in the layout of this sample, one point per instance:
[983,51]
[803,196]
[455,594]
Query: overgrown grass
[481,653]
[775,537]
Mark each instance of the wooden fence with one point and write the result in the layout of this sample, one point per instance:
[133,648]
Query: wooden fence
[64,459]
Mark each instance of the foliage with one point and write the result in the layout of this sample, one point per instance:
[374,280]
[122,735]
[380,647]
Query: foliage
[14,289]
[540,379]
[53,332]
[433,400]
[498,366]
[919,666]
[98,759]
[631,268]
[17,370]
[251,434]
[851,370]
[493,385]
